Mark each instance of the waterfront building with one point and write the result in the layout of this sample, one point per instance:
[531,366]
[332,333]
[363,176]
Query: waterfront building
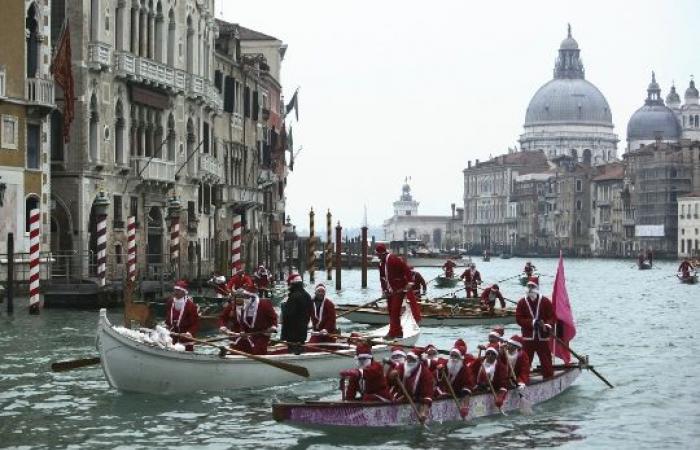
[607,235]
[432,232]
[569,115]
[689,225]
[26,99]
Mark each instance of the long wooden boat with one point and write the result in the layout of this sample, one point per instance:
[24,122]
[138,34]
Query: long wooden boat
[646,265]
[133,366]
[443,410]
[458,301]
[434,316]
[444,282]
[691,279]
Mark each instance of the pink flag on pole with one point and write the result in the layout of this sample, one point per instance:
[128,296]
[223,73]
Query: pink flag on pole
[564,326]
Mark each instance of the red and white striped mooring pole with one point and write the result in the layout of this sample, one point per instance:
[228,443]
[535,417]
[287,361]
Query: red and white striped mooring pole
[131,247]
[236,244]
[34,269]
[102,249]
[174,212]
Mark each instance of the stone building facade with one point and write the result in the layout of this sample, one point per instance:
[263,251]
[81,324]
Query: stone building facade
[26,99]
[689,225]
[607,234]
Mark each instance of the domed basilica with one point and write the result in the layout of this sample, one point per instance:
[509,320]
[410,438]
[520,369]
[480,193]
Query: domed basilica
[569,115]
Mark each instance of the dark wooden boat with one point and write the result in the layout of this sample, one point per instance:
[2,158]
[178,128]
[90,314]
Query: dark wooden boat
[691,279]
[645,265]
[444,282]
[358,414]
[506,256]
[459,301]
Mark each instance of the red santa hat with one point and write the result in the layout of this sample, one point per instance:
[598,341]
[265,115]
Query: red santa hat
[363,350]
[181,285]
[461,343]
[494,287]
[294,277]
[491,349]
[428,348]
[398,351]
[460,348]
[499,329]
[516,341]
[320,287]
[533,281]
[380,249]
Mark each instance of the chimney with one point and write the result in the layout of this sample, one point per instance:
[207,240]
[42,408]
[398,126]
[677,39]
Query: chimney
[476,162]
[469,164]
[453,210]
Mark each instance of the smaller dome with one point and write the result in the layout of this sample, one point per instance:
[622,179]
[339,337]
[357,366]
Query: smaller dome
[652,121]
[692,91]
[673,99]
[569,43]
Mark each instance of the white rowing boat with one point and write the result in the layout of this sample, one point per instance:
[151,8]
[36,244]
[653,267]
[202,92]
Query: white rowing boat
[134,366]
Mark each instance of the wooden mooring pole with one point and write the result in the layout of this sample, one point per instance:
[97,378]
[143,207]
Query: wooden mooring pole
[338,255]
[10,293]
[363,255]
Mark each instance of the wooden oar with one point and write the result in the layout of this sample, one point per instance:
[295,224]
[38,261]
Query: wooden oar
[352,310]
[420,417]
[314,347]
[63,366]
[583,361]
[388,343]
[493,391]
[292,368]
[447,381]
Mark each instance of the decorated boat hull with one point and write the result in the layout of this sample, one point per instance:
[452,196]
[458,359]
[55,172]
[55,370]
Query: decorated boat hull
[443,410]
[444,282]
[134,366]
[373,316]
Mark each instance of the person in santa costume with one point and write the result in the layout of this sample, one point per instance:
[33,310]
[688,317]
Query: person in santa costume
[419,285]
[495,338]
[449,268]
[493,372]
[295,314]
[181,315]
[535,315]
[456,372]
[238,280]
[249,321]
[489,297]
[431,359]
[472,279]
[262,281]
[367,381]
[397,358]
[685,268]
[219,282]
[529,269]
[322,313]
[395,278]
[417,380]
[518,362]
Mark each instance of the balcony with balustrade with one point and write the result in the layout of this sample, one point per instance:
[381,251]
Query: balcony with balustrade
[211,169]
[99,56]
[39,94]
[242,196]
[144,70]
[153,170]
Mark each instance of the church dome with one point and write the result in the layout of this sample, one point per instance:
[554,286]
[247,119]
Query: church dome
[673,100]
[570,101]
[654,119]
[569,98]
[691,92]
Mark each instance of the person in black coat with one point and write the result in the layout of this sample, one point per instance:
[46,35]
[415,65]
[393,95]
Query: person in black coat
[295,313]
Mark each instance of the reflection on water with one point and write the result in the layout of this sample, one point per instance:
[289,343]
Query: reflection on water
[639,327]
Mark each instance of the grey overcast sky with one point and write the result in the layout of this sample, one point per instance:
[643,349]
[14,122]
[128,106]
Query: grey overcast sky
[391,89]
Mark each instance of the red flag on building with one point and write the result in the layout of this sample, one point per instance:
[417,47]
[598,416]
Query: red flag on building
[564,318]
[63,76]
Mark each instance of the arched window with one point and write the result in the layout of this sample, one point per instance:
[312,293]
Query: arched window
[58,14]
[94,20]
[32,33]
[56,135]
[578,228]
[191,138]
[143,30]
[119,26]
[171,138]
[119,126]
[579,205]
[171,38]
[697,122]
[32,202]
[93,141]
[134,33]
[159,53]
[189,55]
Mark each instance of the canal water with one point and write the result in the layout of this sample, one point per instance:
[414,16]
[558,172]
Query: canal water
[640,328]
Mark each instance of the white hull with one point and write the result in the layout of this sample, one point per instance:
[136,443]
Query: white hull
[374,318]
[137,367]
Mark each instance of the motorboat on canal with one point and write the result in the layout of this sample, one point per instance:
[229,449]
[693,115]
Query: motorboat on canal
[133,366]
[433,315]
[443,409]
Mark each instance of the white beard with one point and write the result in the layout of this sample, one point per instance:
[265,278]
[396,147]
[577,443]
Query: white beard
[409,368]
[400,360]
[489,369]
[179,303]
[512,358]
[532,294]
[454,366]
[363,363]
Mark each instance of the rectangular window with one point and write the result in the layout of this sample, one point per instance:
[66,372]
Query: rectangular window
[218,77]
[134,208]
[190,212]
[33,146]
[118,220]
[256,106]
[200,198]
[246,102]
[579,185]
[229,94]
[2,82]
[207,199]
[9,132]
[205,137]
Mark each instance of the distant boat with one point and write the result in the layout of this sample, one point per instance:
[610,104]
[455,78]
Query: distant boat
[444,282]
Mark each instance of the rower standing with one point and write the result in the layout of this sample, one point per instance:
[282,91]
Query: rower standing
[685,268]
[489,297]
[650,257]
[367,381]
[249,321]
[449,268]
[322,314]
[181,315]
[395,278]
[529,269]
[472,278]
[535,315]
[419,285]
[295,313]
[262,281]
